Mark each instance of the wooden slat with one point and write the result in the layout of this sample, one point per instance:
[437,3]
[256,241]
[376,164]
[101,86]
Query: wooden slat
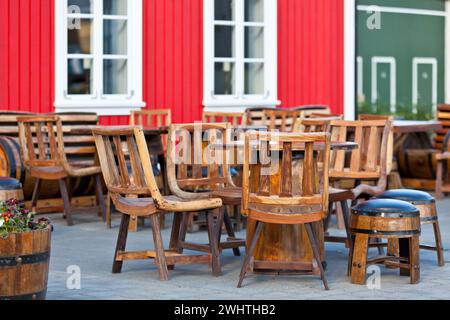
[286,171]
[308,174]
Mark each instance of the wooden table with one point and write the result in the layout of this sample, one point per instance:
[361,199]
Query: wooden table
[280,246]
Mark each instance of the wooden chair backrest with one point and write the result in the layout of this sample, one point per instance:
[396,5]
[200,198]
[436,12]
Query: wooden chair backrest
[8,122]
[151,118]
[40,140]
[255,117]
[280,119]
[370,161]
[364,117]
[334,116]
[192,163]
[307,110]
[235,118]
[439,138]
[124,159]
[310,125]
[274,178]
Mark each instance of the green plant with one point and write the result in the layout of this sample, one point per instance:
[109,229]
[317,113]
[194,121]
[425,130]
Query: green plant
[402,111]
[15,219]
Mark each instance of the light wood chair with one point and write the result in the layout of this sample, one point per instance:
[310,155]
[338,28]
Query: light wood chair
[367,166]
[45,153]
[281,119]
[310,125]
[234,118]
[307,111]
[134,191]
[255,116]
[151,118]
[302,196]
[198,170]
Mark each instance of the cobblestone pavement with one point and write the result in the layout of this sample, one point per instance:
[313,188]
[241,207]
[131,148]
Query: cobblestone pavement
[89,245]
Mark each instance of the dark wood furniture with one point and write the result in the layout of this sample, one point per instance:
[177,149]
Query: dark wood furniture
[134,192]
[196,170]
[46,156]
[428,215]
[280,191]
[385,219]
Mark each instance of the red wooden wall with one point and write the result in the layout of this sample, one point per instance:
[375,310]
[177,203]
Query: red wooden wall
[27,55]
[310,55]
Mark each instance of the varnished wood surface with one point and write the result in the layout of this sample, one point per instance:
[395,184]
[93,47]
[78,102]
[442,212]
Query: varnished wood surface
[409,126]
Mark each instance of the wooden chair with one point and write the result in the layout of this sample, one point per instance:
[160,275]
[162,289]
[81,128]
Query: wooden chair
[45,153]
[196,170]
[366,166]
[307,110]
[310,125]
[235,118]
[255,116]
[302,193]
[280,119]
[443,115]
[134,191]
[151,118]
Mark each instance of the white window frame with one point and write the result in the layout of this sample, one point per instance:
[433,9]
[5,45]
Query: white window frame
[98,102]
[239,101]
[415,81]
[393,81]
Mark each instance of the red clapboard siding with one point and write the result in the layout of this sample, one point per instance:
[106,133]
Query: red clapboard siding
[311,53]
[27,55]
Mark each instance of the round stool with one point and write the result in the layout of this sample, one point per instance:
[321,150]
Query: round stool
[10,188]
[428,215]
[385,219]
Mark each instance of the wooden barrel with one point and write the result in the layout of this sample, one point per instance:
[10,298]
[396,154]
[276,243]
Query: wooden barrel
[11,165]
[416,158]
[384,218]
[24,262]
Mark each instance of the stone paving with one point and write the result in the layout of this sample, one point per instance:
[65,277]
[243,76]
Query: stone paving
[89,245]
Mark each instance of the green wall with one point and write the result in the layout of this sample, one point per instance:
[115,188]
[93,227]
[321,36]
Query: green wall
[402,36]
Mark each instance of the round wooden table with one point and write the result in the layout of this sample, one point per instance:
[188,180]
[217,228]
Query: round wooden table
[286,248]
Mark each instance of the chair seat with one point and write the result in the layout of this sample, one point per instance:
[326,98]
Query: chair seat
[147,206]
[294,214]
[50,173]
[385,207]
[229,196]
[7,183]
[411,196]
[336,195]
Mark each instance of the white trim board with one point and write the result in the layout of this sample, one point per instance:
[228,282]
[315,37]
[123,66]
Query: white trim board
[415,81]
[423,12]
[349,59]
[393,81]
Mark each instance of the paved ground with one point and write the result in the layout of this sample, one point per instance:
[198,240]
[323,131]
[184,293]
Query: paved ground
[90,246]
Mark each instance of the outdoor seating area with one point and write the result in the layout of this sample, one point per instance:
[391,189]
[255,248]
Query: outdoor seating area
[275,190]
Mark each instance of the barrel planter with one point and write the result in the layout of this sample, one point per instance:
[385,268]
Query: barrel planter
[24,263]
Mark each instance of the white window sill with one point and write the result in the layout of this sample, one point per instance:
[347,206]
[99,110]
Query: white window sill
[237,105]
[104,108]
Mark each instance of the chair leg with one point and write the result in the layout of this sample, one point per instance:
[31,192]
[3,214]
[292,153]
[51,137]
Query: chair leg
[121,242]
[108,211]
[359,259]
[326,222]
[439,246]
[230,231]
[175,235]
[249,252]
[316,252]
[213,228]
[66,200]
[160,258]
[183,230]
[439,177]
[346,217]
[100,197]
[34,199]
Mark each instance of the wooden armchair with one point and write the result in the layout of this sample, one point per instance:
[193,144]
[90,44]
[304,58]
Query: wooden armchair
[310,125]
[235,118]
[281,119]
[255,116]
[134,191]
[45,153]
[198,170]
[367,166]
[299,195]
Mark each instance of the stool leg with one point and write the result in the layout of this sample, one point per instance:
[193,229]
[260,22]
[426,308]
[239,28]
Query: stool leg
[414,259]
[316,252]
[359,260]
[439,247]
[405,253]
[250,251]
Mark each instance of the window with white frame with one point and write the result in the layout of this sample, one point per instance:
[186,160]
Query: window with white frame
[99,56]
[240,53]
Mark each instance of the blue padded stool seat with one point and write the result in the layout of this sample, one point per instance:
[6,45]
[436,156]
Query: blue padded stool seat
[10,188]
